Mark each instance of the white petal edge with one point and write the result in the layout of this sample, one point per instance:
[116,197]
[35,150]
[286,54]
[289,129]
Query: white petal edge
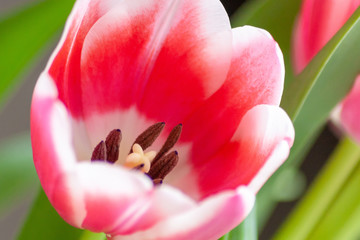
[268,124]
[211,219]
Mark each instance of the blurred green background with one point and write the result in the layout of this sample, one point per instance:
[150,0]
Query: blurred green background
[14,119]
[18,180]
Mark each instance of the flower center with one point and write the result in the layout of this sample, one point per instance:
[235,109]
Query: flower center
[155,165]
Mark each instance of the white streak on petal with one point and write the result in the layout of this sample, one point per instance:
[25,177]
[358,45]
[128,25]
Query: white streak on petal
[45,87]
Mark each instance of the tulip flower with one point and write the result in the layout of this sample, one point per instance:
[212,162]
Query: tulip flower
[318,22]
[156,120]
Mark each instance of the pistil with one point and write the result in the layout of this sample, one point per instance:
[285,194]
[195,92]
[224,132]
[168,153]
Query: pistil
[138,158]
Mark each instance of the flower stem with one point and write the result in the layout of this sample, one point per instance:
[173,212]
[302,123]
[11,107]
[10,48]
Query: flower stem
[341,220]
[248,228]
[322,193]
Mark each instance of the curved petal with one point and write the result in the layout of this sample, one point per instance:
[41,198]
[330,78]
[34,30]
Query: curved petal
[64,65]
[84,194]
[350,111]
[162,203]
[256,77]
[211,219]
[108,194]
[261,143]
[148,53]
[51,140]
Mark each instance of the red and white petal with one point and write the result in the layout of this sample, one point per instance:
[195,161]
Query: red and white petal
[51,141]
[258,140]
[162,203]
[118,201]
[266,135]
[350,111]
[80,192]
[50,133]
[256,77]
[148,53]
[64,65]
[318,22]
[211,219]
[107,194]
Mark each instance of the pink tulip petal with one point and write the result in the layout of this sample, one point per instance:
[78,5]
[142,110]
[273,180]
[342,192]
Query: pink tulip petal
[110,194]
[211,219]
[118,201]
[80,192]
[350,111]
[151,52]
[317,24]
[129,64]
[51,142]
[64,65]
[256,77]
[257,147]
[96,196]
[162,203]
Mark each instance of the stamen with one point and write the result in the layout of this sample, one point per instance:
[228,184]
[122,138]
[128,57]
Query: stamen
[148,137]
[112,145]
[163,166]
[99,153]
[169,143]
[156,166]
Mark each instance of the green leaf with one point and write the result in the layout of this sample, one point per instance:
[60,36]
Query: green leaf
[17,173]
[323,193]
[23,34]
[323,84]
[339,216]
[44,223]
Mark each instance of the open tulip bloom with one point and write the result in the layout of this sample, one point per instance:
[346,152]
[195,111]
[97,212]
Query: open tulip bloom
[156,120]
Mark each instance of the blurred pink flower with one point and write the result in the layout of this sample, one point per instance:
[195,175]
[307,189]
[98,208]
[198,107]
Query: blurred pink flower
[318,22]
[130,64]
